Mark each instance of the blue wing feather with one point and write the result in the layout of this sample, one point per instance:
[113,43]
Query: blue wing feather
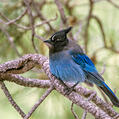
[89,68]
[85,63]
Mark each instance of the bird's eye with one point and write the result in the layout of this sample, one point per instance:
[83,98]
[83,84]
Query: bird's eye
[55,39]
[58,39]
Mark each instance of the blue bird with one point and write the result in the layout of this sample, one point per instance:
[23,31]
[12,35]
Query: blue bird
[69,63]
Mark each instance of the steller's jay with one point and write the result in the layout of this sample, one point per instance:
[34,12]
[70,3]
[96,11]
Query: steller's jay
[69,63]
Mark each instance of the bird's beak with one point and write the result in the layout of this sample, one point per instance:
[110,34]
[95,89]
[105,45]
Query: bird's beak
[48,43]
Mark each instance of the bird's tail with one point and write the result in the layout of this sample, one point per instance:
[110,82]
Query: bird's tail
[110,94]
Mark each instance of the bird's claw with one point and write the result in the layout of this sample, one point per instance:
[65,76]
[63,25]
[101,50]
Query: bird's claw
[68,90]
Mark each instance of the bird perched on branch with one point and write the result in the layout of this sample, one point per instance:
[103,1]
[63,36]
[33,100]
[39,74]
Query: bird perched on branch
[69,63]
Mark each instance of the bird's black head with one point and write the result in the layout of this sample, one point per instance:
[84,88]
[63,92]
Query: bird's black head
[58,40]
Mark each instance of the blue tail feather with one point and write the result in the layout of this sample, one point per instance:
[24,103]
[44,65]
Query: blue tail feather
[110,94]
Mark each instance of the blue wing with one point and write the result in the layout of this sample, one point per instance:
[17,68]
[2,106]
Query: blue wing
[85,63]
[89,68]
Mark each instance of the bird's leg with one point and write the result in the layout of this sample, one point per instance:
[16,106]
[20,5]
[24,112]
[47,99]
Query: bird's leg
[63,83]
[70,89]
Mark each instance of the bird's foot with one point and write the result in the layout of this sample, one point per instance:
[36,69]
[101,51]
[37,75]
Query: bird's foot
[68,90]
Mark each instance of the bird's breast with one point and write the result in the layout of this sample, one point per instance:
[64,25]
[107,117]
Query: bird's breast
[63,67]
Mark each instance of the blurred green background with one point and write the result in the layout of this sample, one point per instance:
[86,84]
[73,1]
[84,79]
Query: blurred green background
[56,106]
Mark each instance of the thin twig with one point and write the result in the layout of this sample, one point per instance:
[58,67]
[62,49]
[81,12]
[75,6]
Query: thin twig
[101,28]
[39,37]
[27,3]
[41,16]
[103,34]
[114,4]
[39,102]
[10,39]
[27,27]
[3,16]
[5,90]
[37,25]
[18,18]
[84,115]
[61,10]
[73,112]
[87,25]
[92,95]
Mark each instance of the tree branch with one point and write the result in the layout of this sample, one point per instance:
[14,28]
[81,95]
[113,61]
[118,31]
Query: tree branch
[102,111]
[13,103]
[39,102]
